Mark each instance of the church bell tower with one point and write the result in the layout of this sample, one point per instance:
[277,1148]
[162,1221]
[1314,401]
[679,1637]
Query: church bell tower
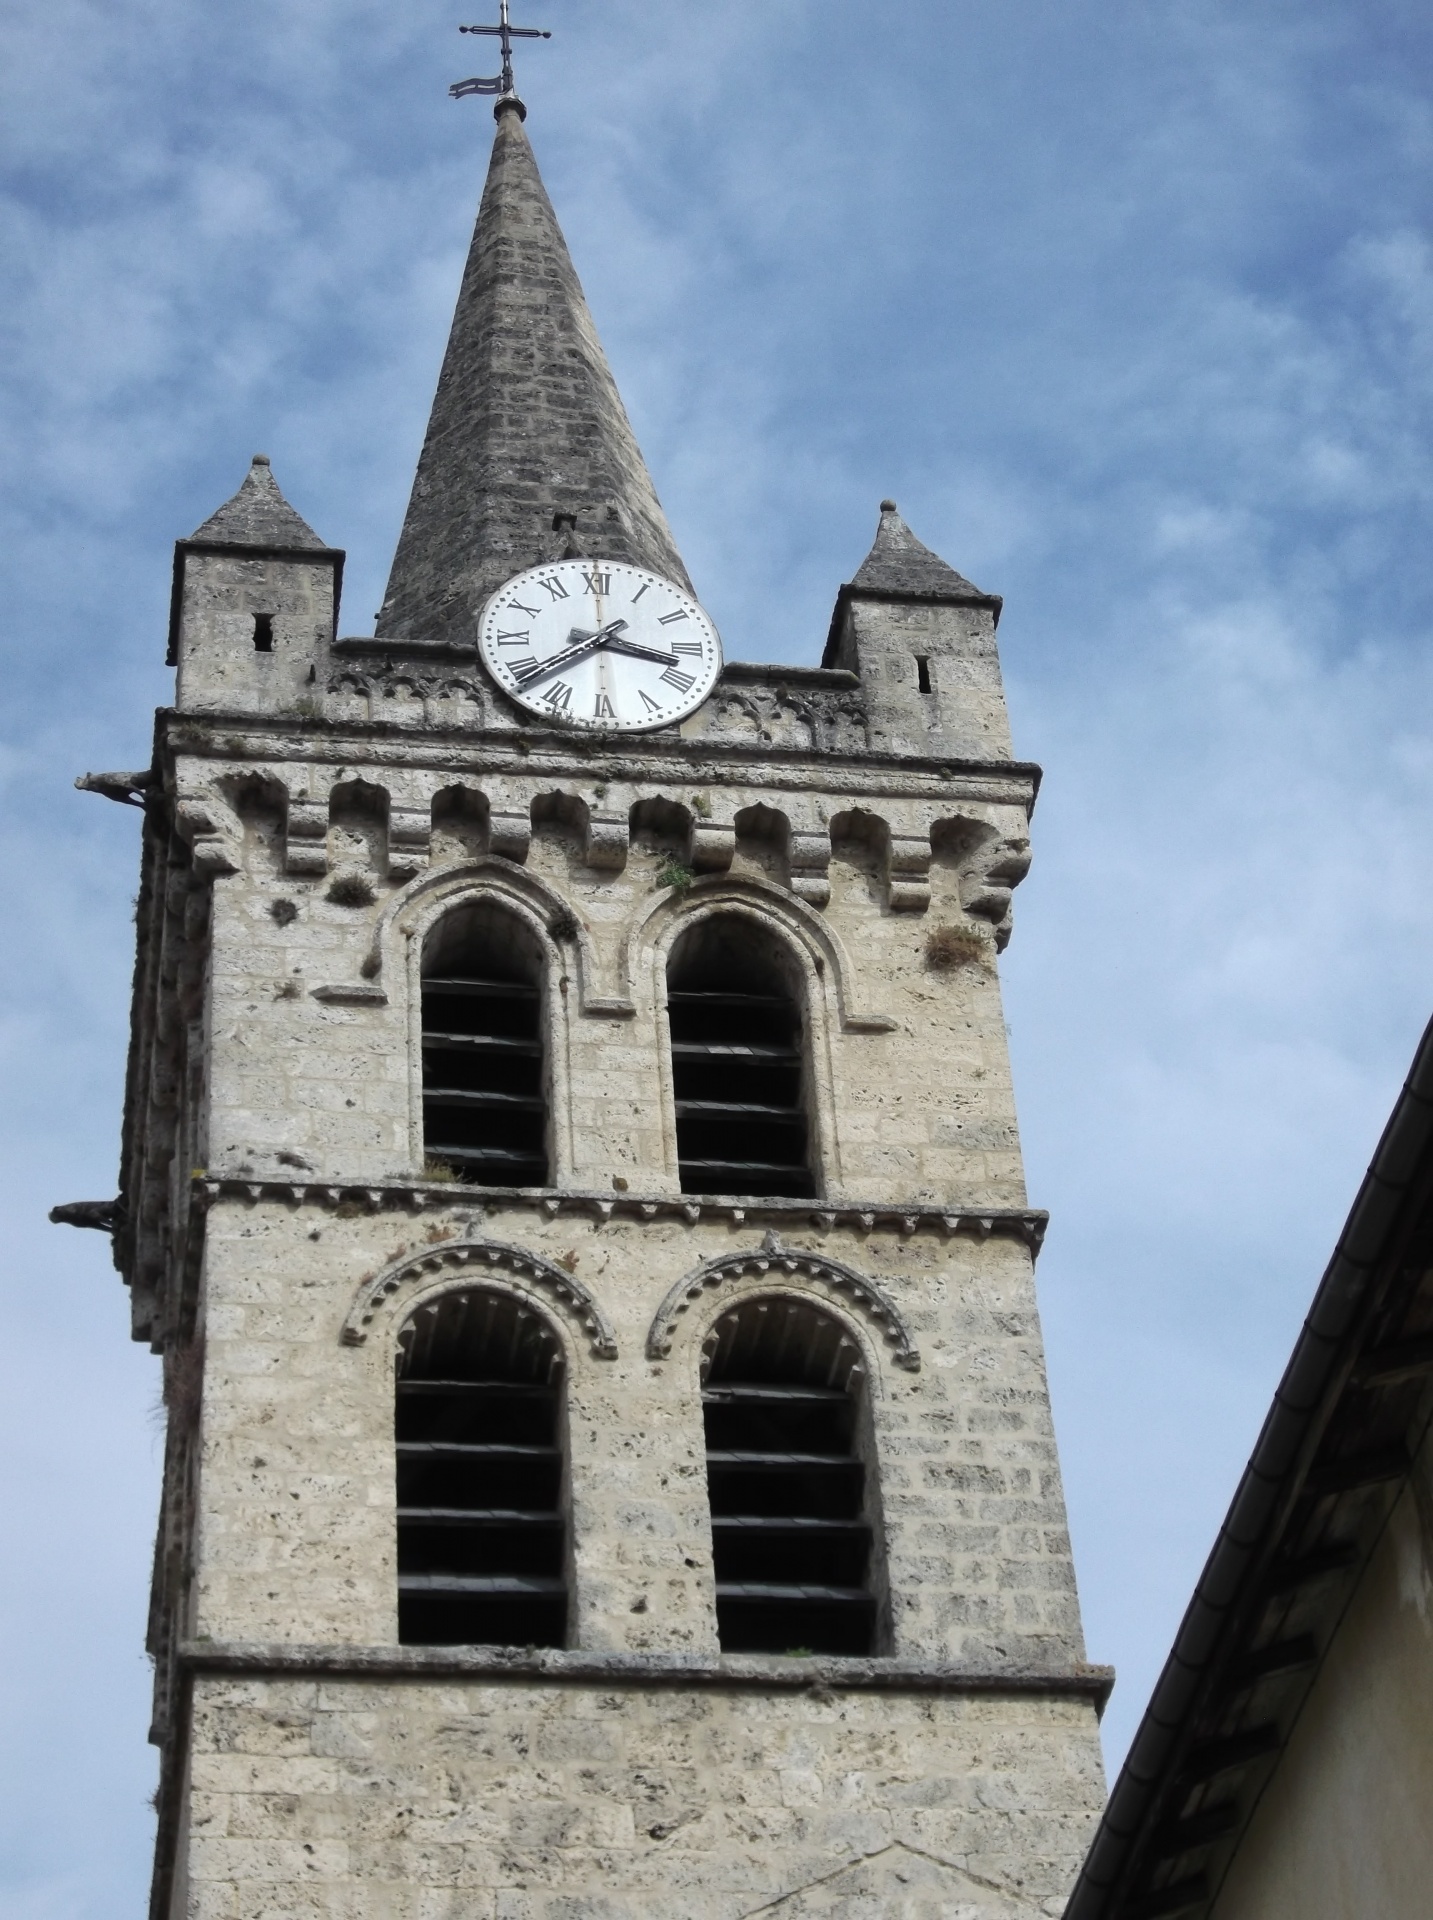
[570,1174]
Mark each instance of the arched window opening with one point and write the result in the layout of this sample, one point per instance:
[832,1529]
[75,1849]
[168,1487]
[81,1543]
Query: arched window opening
[482,1529]
[738,1072]
[793,1497]
[484,1072]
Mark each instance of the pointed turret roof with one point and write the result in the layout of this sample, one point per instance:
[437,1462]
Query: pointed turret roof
[903,567]
[258,516]
[900,567]
[527,426]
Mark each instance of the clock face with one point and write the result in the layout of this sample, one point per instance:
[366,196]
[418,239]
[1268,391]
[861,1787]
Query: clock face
[600,644]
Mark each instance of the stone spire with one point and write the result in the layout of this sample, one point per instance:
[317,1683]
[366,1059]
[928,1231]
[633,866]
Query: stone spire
[529,453]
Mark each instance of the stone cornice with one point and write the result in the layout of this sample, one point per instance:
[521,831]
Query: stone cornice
[712,760]
[737,1672]
[419,1196]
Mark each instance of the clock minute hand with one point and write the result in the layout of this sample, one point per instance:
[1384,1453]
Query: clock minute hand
[529,676]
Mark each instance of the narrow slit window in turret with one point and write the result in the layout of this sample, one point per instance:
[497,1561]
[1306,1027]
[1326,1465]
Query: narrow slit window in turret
[789,1482]
[484,1068]
[482,1529]
[738,1063]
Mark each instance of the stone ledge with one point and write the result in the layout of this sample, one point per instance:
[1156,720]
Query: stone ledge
[378,1196]
[536,751]
[774,673]
[742,1672]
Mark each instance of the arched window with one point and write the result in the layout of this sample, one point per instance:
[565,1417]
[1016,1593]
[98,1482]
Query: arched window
[482,1527]
[484,1071]
[790,1482]
[738,1061]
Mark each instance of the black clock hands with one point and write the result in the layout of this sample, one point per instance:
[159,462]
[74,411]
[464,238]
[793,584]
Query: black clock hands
[606,639]
[588,643]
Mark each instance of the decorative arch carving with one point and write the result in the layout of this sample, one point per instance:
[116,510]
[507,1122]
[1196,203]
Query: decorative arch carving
[772,1263]
[407,1283]
[416,906]
[788,917]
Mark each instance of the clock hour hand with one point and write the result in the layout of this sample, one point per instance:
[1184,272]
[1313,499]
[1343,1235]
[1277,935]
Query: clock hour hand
[529,676]
[638,651]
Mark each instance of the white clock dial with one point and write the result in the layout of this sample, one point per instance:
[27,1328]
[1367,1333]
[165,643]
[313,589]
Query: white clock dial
[600,643]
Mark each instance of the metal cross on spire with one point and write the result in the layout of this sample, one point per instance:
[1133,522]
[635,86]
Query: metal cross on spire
[506,32]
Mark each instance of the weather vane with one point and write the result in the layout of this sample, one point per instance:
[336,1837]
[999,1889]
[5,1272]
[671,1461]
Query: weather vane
[502,83]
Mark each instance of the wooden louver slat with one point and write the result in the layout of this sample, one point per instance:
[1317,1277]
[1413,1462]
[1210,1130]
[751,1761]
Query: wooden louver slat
[482,1530]
[484,1102]
[792,1544]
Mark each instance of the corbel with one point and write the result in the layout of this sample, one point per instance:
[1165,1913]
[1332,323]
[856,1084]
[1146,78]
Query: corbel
[509,835]
[306,835]
[908,872]
[605,841]
[200,829]
[809,864]
[711,845]
[410,837]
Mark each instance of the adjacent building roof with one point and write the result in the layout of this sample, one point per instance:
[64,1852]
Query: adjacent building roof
[529,452]
[1333,1456]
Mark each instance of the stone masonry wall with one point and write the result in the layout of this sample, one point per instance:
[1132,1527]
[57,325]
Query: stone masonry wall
[313,1061]
[296,1504]
[319,1798]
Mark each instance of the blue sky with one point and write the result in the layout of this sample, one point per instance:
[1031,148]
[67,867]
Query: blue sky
[1130,307]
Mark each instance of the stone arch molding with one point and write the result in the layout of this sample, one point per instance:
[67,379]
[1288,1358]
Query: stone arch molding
[405,1284]
[791,919]
[424,900]
[831,1280]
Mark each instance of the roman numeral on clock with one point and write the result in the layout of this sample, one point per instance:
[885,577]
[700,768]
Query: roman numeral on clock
[599,583]
[683,682]
[668,618]
[647,701]
[525,669]
[531,612]
[692,647]
[554,587]
[514,639]
[604,709]
[559,698]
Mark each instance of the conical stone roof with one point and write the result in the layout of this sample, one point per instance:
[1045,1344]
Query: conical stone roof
[902,566]
[258,516]
[527,425]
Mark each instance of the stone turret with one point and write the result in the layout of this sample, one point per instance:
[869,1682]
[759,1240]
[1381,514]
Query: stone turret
[922,639]
[255,604]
